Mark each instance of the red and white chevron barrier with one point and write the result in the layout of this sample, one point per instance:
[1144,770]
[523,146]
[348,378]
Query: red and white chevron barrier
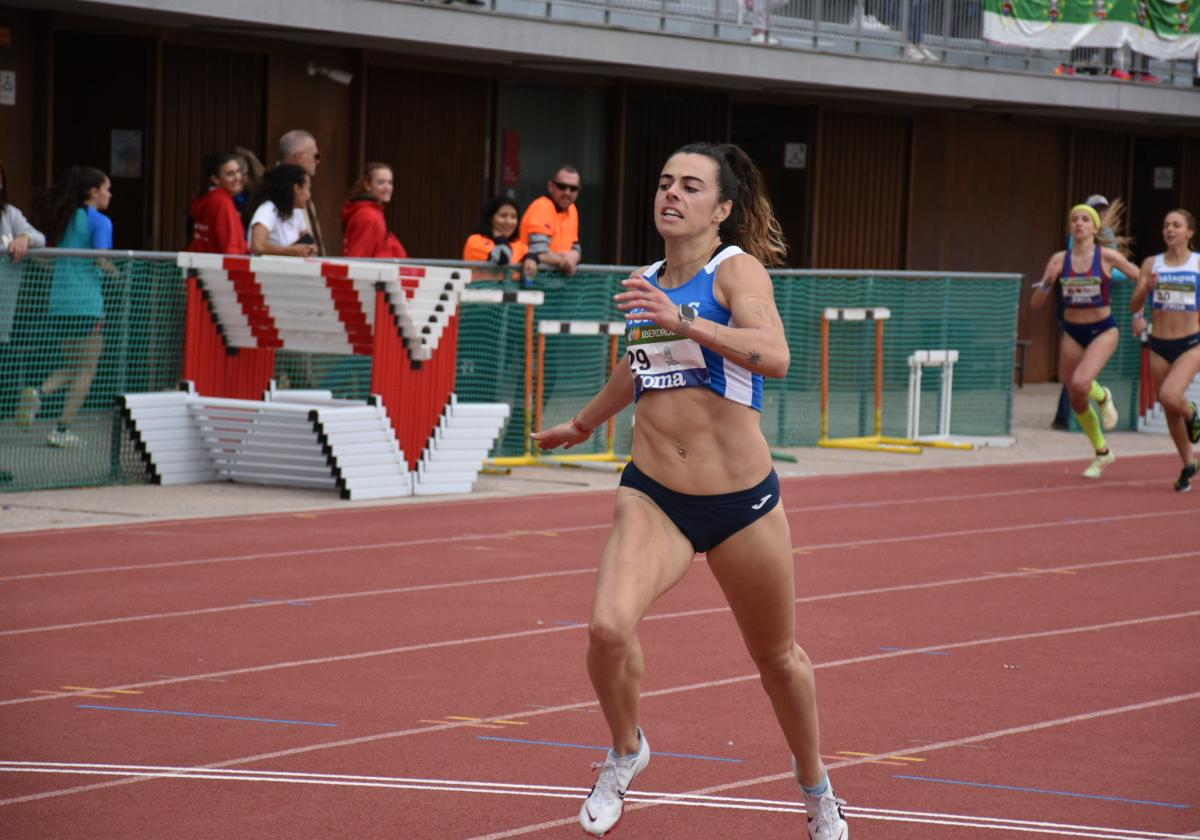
[241,310]
[324,305]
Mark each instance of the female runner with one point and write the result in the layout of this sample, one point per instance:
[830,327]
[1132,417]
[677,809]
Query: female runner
[703,331]
[1175,337]
[1089,331]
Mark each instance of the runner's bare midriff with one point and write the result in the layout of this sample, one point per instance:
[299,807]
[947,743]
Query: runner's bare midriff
[695,442]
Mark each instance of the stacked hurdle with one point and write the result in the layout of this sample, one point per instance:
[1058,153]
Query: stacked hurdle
[535,396]
[414,437]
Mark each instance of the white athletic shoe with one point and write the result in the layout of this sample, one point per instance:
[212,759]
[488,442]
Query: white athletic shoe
[825,818]
[28,406]
[602,809]
[1098,464]
[63,439]
[1108,412]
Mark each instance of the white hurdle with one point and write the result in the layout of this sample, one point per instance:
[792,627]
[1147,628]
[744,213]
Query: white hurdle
[917,362]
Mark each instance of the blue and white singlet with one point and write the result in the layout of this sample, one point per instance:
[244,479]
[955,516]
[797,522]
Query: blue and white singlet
[1176,289]
[662,360]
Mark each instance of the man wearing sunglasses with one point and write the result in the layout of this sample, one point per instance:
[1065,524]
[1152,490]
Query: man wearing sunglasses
[299,147]
[550,226]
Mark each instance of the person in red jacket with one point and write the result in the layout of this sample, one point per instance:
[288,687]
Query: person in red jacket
[364,225]
[216,223]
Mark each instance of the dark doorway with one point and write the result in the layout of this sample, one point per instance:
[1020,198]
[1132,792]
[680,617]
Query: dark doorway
[102,86]
[777,138]
[1156,190]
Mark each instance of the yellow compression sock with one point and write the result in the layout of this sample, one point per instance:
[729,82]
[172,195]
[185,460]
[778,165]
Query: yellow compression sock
[1091,427]
[1097,392]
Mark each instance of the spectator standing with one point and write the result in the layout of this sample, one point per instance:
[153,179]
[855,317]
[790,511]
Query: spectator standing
[550,226]
[252,175]
[299,147]
[74,210]
[216,223]
[493,238]
[277,226]
[364,226]
[17,236]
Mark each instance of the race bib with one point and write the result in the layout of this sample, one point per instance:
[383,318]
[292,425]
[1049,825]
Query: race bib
[1082,291]
[1175,292]
[660,360]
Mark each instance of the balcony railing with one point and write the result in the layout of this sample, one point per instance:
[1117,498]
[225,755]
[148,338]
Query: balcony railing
[945,32]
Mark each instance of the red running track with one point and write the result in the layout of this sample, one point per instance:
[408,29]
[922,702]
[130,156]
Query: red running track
[1001,651]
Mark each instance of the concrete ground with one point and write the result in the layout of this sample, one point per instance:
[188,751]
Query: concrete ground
[1035,441]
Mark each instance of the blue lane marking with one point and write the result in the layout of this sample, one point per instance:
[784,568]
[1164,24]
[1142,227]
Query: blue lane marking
[924,652]
[605,749]
[202,715]
[1043,790]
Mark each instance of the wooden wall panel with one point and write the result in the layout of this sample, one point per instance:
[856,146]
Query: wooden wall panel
[1189,178]
[212,100]
[1100,163]
[326,109]
[433,131]
[988,194]
[658,121]
[860,163]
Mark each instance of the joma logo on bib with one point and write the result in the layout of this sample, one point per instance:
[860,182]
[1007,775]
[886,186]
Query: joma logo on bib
[663,380]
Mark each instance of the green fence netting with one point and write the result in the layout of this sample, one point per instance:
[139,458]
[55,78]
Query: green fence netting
[142,350]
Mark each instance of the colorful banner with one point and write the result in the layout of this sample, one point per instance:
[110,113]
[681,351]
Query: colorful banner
[1158,28]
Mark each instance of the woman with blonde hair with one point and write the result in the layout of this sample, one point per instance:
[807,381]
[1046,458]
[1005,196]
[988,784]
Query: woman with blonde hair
[703,332]
[1170,280]
[1089,339]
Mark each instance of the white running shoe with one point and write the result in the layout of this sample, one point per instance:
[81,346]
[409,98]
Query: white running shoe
[825,818]
[1108,412]
[912,51]
[872,23]
[28,406]
[602,808]
[1098,464]
[63,438]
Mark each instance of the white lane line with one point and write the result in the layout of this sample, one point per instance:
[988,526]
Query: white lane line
[586,570]
[516,634]
[301,552]
[541,532]
[1069,522]
[587,704]
[562,792]
[986,736]
[399,590]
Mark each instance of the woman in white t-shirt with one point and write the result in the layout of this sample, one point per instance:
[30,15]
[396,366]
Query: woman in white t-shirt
[277,226]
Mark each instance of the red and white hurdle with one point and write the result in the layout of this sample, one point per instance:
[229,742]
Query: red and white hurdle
[242,309]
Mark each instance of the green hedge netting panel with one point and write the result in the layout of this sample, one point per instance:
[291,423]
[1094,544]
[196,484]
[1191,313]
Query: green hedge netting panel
[977,317]
[143,351]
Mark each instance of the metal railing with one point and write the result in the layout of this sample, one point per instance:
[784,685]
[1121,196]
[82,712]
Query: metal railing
[948,32]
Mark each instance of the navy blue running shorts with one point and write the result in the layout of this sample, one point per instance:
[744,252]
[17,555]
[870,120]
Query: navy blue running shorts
[707,521]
